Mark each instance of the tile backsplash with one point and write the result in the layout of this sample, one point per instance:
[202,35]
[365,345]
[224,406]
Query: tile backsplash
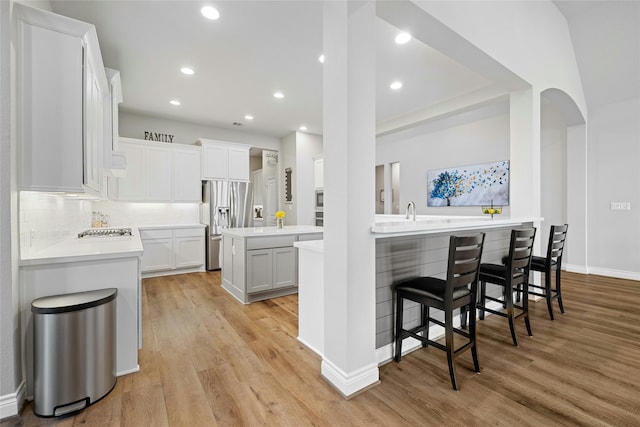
[49,218]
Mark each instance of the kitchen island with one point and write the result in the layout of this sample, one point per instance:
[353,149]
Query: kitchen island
[78,265]
[259,263]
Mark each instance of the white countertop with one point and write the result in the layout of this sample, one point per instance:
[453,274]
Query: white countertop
[171,226]
[397,225]
[88,249]
[271,231]
[311,245]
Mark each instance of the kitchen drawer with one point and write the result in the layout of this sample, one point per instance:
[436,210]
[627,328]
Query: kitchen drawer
[188,232]
[310,236]
[270,242]
[156,233]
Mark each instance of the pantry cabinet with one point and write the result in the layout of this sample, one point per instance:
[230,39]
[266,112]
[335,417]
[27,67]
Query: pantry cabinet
[224,160]
[158,172]
[61,89]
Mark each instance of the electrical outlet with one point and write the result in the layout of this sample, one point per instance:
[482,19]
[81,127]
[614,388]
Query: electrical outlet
[620,206]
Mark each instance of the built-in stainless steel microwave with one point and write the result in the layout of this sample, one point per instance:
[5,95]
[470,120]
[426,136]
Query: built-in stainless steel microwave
[319,200]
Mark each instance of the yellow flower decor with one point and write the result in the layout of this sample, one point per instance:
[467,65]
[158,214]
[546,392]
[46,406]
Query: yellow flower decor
[280,214]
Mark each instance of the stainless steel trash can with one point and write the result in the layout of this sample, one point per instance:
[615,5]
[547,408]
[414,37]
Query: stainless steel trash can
[74,350]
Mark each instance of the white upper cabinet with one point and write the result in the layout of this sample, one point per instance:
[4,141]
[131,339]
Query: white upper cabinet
[114,160]
[158,172]
[61,91]
[188,186]
[224,160]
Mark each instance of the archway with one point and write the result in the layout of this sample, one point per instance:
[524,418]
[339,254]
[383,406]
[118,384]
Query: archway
[563,173]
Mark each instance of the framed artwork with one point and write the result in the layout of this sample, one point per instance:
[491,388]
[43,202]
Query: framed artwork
[474,185]
[288,191]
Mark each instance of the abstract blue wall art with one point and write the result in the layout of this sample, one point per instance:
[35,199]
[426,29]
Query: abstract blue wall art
[474,185]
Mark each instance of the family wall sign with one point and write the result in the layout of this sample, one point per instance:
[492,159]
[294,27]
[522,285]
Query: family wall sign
[160,137]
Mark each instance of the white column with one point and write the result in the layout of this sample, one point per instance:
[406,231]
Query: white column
[524,157]
[575,258]
[349,180]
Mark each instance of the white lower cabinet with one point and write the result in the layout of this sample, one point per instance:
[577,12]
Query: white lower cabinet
[172,251]
[158,250]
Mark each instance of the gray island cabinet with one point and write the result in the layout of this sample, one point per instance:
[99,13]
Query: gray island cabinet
[259,263]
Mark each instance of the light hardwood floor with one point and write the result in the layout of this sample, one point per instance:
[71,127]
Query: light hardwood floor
[207,360]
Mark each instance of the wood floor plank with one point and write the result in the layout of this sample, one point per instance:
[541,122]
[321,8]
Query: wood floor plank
[208,360]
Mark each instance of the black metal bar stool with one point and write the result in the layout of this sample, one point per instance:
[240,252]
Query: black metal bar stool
[512,276]
[552,262]
[459,290]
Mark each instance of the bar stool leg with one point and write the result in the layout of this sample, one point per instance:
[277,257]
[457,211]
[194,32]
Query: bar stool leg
[448,331]
[547,291]
[399,313]
[559,291]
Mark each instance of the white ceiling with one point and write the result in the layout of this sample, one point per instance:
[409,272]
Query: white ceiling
[259,47]
[606,40]
[240,60]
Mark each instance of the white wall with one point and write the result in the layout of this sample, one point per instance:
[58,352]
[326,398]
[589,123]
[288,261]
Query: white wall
[553,173]
[133,125]
[8,286]
[297,152]
[614,176]
[478,139]
[307,146]
[124,214]
[545,59]
[287,159]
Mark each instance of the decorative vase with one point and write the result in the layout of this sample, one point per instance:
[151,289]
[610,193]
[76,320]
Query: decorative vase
[279,222]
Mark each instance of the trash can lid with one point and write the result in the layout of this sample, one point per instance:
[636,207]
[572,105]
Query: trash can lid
[72,302]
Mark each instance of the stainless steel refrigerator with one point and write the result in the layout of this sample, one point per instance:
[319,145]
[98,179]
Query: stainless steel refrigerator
[226,204]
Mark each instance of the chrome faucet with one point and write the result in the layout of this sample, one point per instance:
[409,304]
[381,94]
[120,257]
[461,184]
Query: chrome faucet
[411,207]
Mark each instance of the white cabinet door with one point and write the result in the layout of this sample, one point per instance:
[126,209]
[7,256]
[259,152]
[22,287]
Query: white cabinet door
[133,185]
[189,252]
[51,70]
[187,186]
[157,255]
[239,164]
[93,130]
[158,174]
[215,162]
[284,267]
[189,247]
[259,270]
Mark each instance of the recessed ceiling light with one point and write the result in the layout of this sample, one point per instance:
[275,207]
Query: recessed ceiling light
[248,117]
[186,70]
[174,102]
[278,95]
[303,127]
[321,58]
[403,38]
[210,12]
[395,85]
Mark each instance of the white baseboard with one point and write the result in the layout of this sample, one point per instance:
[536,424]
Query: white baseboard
[608,272]
[350,383]
[620,274]
[128,371]
[573,268]
[310,347]
[10,404]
